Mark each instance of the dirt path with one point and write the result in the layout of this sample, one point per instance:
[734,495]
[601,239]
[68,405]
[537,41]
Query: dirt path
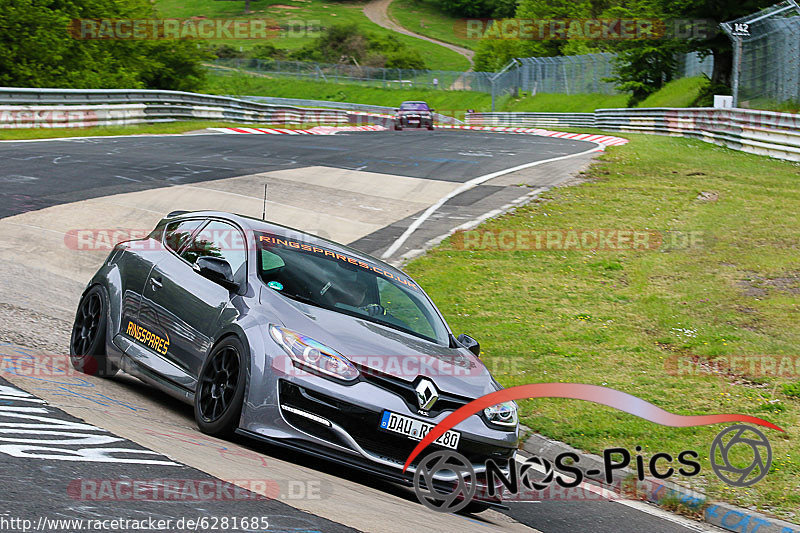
[378,12]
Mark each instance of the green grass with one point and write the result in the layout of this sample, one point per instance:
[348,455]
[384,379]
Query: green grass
[677,93]
[771,105]
[135,129]
[614,318]
[563,103]
[425,18]
[313,13]
[453,103]
[289,88]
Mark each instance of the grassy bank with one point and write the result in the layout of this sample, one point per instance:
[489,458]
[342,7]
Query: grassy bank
[677,93]
[425,18]
[305,17]
[448,102]
[563,103]
[623,318]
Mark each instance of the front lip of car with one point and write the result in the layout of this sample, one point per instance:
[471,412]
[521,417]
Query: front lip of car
[422,116]
[352,450]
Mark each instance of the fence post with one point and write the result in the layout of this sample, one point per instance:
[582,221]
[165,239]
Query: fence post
[737,68]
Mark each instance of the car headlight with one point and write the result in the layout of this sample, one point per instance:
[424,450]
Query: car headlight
[313,355]
[503,414]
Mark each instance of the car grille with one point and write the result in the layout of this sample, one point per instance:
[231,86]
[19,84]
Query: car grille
[362,424]
[406,390]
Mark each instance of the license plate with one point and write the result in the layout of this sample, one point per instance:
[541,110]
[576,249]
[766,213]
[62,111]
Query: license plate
[417,429]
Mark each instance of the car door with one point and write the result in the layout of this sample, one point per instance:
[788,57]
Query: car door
[134,263]
[185,305]
[143,341]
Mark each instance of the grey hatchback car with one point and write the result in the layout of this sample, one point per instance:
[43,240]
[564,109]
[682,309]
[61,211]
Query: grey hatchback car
[291,339]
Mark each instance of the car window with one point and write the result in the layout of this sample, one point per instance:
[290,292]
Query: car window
[179,233]
[219,239]
[414,106]
[400,305]
[333,280]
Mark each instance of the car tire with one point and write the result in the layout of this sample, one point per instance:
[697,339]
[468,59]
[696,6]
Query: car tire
[220,390]
[87,343]
[398,128]
[430,128]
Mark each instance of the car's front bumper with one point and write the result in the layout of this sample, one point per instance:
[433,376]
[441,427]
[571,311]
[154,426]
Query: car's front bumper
[340,422]
[414,121]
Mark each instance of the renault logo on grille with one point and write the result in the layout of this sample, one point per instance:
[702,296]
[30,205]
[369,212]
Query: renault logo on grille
[426,394]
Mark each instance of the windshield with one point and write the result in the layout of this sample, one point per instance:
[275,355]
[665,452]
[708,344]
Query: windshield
[414,106]
[328,279]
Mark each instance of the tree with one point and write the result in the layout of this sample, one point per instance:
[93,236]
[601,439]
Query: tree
[714,41]
[492,55]
[38,51]
[644,68]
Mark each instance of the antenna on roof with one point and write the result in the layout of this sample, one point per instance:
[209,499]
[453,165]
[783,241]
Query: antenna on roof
[264,212]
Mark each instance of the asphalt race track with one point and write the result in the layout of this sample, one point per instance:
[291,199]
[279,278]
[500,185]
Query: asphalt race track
[72,445]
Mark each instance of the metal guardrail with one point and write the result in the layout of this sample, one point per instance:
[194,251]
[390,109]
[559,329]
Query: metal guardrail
[531,120]
[26,108]
[759,132]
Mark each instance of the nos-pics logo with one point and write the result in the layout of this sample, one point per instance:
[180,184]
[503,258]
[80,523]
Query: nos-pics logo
[446,481]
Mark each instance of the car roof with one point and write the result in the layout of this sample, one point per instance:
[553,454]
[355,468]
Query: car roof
[414,102]
[256,224]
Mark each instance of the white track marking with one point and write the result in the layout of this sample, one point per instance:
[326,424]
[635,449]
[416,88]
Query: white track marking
[472,223]
[474,182]
[35,227]
[103,137]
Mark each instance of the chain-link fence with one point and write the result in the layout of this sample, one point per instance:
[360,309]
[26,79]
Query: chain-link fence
[562,74]
[766,56]
[693,64]
[354,74]
[587,73]
[567,74]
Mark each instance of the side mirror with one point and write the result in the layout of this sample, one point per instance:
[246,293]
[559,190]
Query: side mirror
[217,270]
[470,344]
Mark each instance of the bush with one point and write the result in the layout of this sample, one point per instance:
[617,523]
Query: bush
[479,8]
[345,43]
[706,96]
[267,51]
[226,51]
